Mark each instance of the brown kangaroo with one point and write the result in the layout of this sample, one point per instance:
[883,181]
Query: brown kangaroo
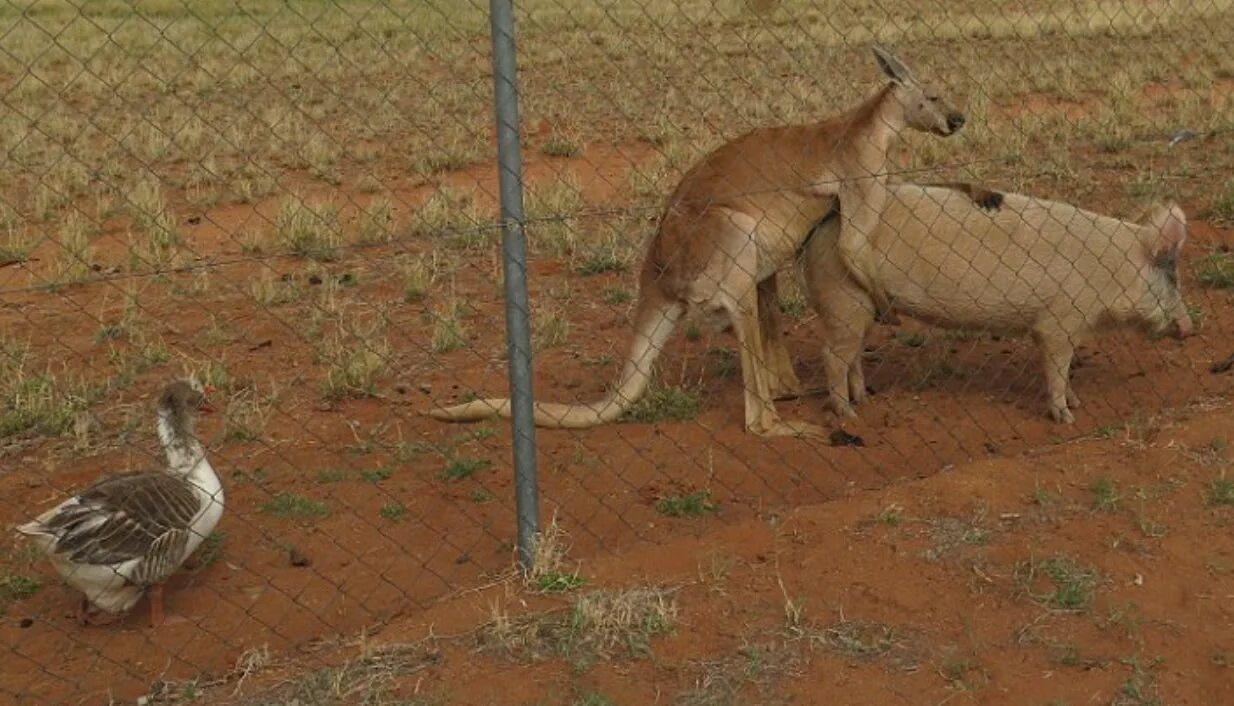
[736,218]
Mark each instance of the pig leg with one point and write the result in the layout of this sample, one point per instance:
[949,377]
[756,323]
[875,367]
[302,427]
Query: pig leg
[1073,401]
[835,363]
[861,209]
[857,380]
[858,393]
[1056,354]
[784,382]
[847,314]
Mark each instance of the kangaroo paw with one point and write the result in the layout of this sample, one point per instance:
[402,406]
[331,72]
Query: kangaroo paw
[795,429]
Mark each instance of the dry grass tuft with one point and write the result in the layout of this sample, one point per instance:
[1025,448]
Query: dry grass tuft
[449,329]
[38,403]
[270,289]
[247,414]
[354,361]
[375,224]
[309,229]
[549,572]
[16,245]
[75,260]
[598,625]
[154,220]
[418,275]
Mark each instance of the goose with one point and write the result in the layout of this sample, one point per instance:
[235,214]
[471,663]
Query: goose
[128,533]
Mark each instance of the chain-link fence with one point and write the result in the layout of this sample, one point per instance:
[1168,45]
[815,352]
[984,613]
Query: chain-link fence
[297,203]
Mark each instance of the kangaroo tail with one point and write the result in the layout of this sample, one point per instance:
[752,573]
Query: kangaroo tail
[655,320]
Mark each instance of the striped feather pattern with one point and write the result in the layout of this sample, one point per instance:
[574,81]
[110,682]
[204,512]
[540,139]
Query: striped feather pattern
[126,517]
[163,558]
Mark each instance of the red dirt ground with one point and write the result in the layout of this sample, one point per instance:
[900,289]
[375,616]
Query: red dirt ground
[980,412]
[941,561]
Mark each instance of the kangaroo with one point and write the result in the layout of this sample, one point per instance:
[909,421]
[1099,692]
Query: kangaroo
[1004,263]
[735,219]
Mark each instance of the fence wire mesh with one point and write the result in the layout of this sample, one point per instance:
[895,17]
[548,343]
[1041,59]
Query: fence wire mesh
[296,203]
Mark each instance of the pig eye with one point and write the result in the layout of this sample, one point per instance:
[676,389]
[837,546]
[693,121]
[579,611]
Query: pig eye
[1167,263]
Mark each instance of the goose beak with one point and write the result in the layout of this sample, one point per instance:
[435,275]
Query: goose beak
[206,407]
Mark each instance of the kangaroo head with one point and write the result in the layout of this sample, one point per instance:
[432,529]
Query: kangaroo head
[924,108]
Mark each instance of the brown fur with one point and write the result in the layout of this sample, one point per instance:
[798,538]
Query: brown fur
[734,220]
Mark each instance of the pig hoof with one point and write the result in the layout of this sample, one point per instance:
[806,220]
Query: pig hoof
[1062,415]
[844,410]
[787,390]
[1073,401]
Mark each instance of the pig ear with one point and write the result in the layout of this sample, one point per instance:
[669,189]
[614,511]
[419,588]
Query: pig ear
[1169,224]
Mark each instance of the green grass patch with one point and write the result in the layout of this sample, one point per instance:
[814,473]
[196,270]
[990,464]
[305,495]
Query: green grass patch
[331,475]
[17,587]
[614,296]
[1220,491]
[459,468]
[393,512]
[558,582]
[892,517]
[1103,496]
[561,146]
[376,475]
[694,504]
[1221,210]
[38,404]
[601,260]
[593,698]
[1058,582]
[295,507]
[665,404]
[1042,497]
[211,548]
[1216,271]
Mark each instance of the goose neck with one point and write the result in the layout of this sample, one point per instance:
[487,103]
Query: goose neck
[181,447]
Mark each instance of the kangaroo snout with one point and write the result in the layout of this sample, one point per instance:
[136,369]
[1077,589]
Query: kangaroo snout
[955,121]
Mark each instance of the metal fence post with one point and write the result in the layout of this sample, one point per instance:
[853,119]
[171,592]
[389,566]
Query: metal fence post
[514,265]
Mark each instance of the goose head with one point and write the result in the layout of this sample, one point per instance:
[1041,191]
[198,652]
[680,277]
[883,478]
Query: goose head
[178,407]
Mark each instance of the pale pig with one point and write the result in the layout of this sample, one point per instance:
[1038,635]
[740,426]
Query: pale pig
[1025,265]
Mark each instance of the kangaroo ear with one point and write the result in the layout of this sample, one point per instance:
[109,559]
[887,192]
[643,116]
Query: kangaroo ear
[1170,226]
[892,66]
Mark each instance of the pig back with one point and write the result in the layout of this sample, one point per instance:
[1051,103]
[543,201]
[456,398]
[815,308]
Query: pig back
[945,259]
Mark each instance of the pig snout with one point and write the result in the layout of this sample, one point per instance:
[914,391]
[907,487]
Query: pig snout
[1183,327]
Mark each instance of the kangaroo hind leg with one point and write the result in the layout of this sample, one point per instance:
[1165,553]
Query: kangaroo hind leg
[784,382]
[730,282]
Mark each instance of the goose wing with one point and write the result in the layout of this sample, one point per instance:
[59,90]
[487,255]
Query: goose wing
[125,517]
